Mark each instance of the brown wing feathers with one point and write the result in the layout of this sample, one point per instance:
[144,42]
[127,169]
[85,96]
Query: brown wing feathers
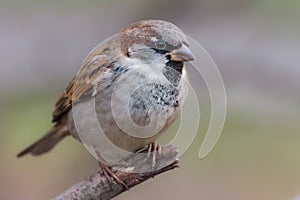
[80,85]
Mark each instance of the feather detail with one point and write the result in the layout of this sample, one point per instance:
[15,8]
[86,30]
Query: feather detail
[83,85]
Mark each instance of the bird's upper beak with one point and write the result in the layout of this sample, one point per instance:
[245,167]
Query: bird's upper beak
[183,54]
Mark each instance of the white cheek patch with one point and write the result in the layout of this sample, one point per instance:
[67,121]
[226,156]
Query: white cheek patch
[153,39]
[151,72]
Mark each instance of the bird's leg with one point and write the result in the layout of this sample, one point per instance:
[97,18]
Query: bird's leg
[109,175]
[155,150]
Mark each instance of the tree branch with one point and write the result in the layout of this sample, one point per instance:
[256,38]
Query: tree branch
[97,187]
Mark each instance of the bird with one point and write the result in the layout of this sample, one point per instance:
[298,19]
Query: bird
[133,84]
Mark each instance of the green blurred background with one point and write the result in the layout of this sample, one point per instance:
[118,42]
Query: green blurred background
[256,46]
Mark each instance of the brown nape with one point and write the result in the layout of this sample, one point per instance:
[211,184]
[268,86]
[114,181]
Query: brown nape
[138,33]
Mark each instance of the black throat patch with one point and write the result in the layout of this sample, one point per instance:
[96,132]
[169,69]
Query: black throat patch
[173,71]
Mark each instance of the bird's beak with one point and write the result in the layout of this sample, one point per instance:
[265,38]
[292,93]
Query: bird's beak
[183,54]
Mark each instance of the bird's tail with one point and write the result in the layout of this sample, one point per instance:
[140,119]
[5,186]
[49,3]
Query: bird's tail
[47,142]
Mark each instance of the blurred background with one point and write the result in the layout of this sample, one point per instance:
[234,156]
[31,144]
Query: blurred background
[256,46]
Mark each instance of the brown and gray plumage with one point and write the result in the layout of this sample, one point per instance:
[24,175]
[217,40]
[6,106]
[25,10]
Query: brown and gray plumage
[146,59]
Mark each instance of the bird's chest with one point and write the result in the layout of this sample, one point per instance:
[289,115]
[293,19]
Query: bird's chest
[153,101]
[139,98]
[131,111]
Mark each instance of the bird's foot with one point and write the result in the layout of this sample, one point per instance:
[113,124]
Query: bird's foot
[110,175]
[154,150]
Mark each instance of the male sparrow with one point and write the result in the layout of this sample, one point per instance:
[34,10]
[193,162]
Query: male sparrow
[132,86]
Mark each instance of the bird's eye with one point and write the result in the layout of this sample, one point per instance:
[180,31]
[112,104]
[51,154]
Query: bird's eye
[160,44]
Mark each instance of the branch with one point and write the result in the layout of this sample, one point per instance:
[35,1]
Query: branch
[97,187]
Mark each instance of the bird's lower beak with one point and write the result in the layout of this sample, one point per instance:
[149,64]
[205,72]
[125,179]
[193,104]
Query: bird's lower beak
[183,54]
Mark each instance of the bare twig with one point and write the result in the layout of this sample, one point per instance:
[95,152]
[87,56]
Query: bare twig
[97,187]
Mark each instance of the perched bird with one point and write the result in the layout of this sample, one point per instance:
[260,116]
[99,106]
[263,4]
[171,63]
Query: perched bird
[132,85]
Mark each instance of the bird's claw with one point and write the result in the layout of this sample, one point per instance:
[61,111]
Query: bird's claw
[110,176]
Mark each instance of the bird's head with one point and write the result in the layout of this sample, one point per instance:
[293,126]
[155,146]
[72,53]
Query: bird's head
[154,41]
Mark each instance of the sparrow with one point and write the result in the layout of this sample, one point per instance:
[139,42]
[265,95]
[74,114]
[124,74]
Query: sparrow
[132,86]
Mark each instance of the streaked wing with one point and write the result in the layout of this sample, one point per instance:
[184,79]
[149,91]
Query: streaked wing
[82,86]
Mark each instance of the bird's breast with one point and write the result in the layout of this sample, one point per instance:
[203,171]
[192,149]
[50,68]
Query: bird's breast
[132,111]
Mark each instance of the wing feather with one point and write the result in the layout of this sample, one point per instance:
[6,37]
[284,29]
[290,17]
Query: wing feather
[82,86]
